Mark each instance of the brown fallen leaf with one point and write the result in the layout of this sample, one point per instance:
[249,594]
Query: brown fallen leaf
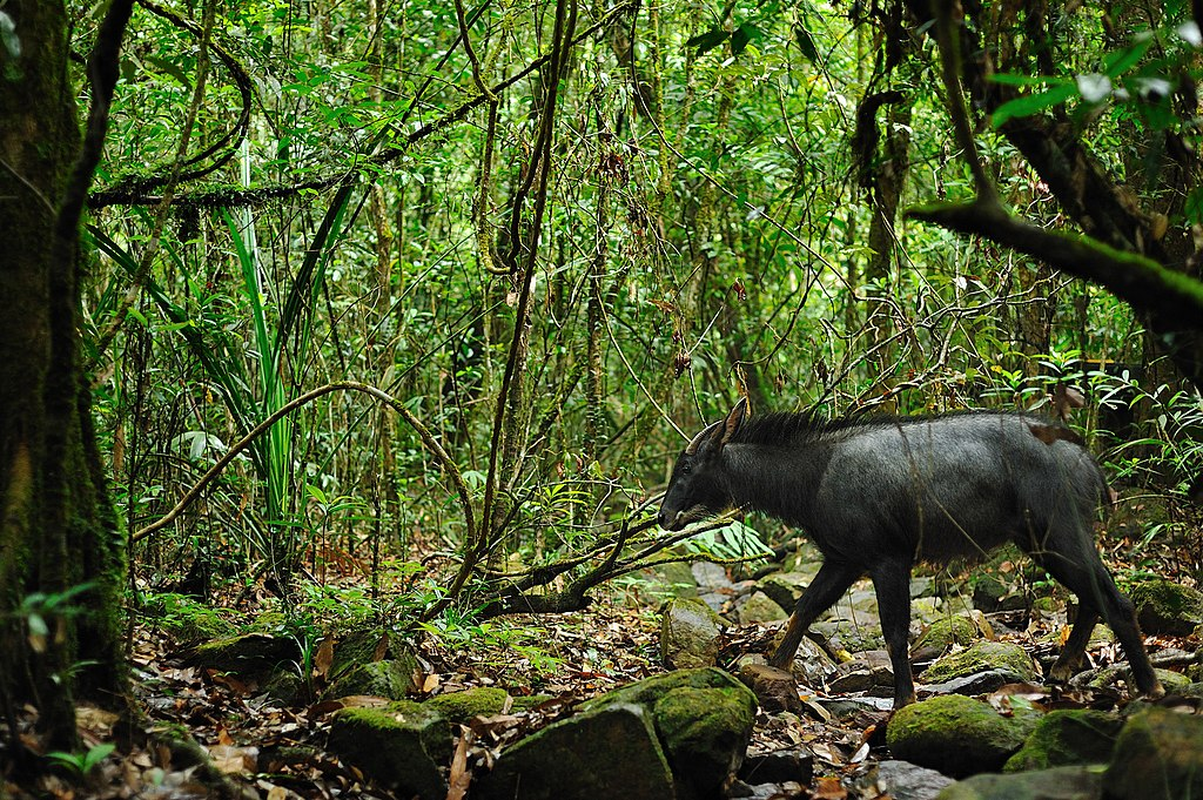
[461,777]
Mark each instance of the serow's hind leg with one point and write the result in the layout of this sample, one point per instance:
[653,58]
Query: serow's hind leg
[1070,660]
[1076,564]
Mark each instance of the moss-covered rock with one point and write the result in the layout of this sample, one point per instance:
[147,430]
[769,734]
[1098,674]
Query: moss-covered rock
[611,751]
[784,588]
[689,634]
[705,734]
[1109,677]
[1069,736]
[1166,607]
[247,655]
[957,735]
[460,707]
[1059,783]
[703,718]
[961,630]
[981,657]
[759,609]
[402,746]
[649,690]
[1158,756]
[393,679]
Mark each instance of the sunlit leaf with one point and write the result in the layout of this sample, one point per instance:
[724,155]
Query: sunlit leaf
[1117,63]
[1030,104]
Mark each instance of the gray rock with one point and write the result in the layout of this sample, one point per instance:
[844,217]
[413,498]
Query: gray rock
[902,780]
[760,609]
[705,733]
[393,679]
[1108,677]
[709,576]
[1167,607]
[982,657]
[975,684]
[779,766]
[786,587]
[1059,783]
[703,721]
[689,634]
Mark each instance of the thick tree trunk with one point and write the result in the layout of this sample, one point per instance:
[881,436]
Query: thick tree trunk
[60,553]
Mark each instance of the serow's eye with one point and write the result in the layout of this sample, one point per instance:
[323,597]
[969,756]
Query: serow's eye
[686,469]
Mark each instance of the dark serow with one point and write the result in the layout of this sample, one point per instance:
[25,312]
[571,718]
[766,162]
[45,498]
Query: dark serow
[877,496]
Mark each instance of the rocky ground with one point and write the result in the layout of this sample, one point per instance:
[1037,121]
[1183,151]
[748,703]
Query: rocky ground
[641,696]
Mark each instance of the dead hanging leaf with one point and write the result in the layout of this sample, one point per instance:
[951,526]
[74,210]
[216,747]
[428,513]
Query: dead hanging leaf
[324,658]
[461,777]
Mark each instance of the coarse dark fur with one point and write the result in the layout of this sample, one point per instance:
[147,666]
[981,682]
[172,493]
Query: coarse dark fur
[878,495]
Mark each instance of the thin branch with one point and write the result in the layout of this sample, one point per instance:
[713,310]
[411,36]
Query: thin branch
[432,444]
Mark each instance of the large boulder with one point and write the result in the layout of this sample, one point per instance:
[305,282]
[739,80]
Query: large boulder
[402,746]
[1068,736]
[649,690]
[393,678]
[611,751]
[703,720]
[689,634]
[1158,756]
[705,733]
[1166,607]
[944,633]
[957,735]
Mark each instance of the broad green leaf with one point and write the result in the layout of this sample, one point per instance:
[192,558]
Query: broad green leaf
[1119,62]
[1030,104]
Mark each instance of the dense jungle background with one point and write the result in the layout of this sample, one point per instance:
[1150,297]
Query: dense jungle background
[394,315]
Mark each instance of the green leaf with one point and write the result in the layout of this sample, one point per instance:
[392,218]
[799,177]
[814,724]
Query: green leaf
[709,40]
[806,43]
[1193,208]
[743,34]
[1119,62]
[1030,104]
[171,69]
[1012,79]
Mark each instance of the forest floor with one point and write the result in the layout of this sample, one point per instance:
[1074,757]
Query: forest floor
[269,748]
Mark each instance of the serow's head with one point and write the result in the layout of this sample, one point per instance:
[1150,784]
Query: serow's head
[699,487]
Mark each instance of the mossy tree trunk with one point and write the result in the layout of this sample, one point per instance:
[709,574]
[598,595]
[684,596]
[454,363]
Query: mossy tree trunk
[60,550]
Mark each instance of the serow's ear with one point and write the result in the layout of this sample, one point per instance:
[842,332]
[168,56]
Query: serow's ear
[742,410]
